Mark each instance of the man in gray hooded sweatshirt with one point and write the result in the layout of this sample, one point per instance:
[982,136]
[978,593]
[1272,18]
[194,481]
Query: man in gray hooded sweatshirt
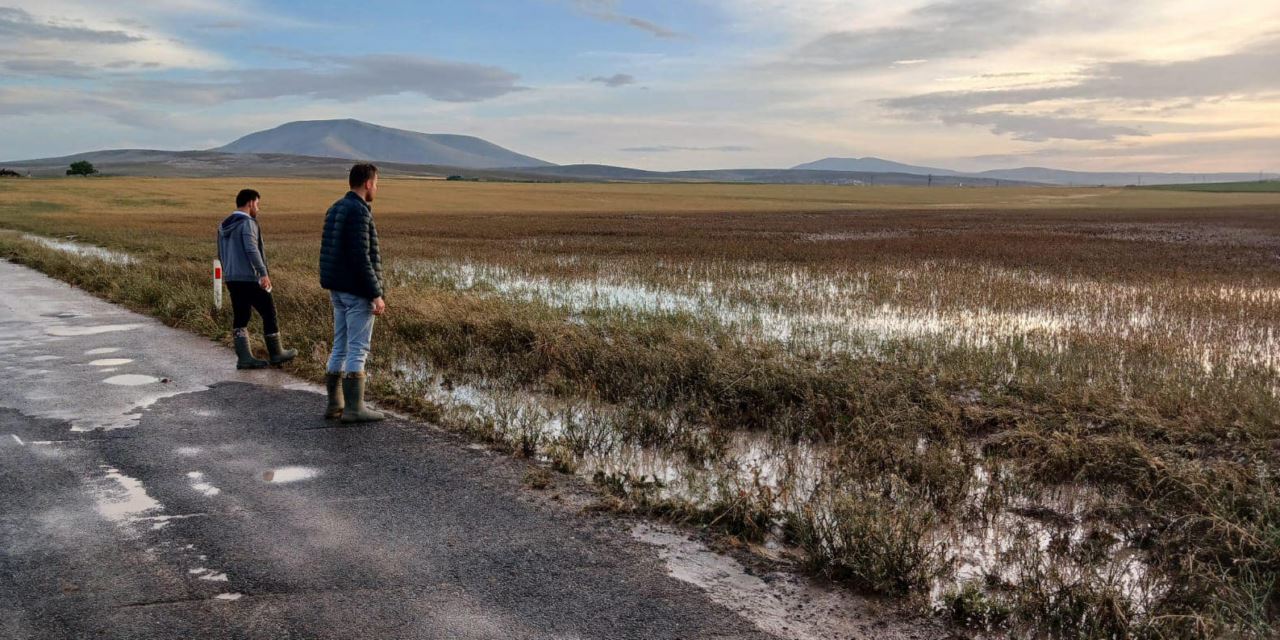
[244,269]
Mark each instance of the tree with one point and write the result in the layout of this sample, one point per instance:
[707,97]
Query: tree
[81,168]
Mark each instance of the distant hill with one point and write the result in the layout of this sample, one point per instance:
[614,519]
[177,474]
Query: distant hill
[874,165]
[599,172]
[204,164]
[1115,178]
[1041,175]
[212,164]
[356,140]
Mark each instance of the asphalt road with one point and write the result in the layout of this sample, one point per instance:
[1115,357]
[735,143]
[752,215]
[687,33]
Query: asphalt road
[148,490]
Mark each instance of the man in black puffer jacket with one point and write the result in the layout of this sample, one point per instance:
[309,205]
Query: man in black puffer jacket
[351,269]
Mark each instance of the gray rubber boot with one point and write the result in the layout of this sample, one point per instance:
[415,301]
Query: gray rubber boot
[244,355]
[333,383]
[278,355]
[353,393]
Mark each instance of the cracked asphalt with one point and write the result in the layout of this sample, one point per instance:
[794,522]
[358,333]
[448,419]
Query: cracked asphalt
[149,490]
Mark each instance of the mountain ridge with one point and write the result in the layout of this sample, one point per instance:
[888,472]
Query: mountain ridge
[1043,175]
[359,140]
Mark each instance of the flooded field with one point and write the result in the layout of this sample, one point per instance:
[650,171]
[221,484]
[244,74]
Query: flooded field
[1049,412]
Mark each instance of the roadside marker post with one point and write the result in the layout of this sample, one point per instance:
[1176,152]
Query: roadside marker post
[217,284]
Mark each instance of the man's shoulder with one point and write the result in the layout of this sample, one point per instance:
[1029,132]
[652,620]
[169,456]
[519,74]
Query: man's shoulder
[348,205]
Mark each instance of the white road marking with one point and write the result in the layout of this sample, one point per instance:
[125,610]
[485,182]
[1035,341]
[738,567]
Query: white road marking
[19,440]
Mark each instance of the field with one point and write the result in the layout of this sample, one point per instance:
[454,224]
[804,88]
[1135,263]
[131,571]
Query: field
[1260,186]
[1043,412]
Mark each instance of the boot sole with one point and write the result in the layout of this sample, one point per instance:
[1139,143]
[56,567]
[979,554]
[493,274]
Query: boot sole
[362,420]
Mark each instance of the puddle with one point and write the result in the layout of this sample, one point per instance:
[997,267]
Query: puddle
[862,312]
[290,474]
[110,362]
[72,332]
[188,452]
[45,358]
[84,250]
[160,522]
[777,603]
[64,315]
[228,596]
[306,386]
[101,352]
[124,498]
[199,484]
[131,380]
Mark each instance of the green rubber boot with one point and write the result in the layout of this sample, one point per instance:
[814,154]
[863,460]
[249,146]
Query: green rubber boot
[244,355]
[278,355]
[333,383]
[353,393]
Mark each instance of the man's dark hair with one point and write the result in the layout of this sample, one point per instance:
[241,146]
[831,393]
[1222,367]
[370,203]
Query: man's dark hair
[361,174]
[246,196]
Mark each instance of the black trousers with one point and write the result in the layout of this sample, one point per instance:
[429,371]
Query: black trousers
[247,296]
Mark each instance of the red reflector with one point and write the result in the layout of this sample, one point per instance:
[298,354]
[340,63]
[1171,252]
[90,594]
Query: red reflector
[217,273]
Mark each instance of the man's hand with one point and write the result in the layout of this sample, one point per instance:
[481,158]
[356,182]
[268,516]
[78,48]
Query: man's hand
[379,306]
[265,282]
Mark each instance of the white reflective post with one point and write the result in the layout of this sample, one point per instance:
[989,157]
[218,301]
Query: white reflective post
[217,284]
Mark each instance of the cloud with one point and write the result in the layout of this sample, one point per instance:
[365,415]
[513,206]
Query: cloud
[937,30]
[345,79]
[95,35]
[607,11]
[667,148]
[46,67]
[226,25]
[37,101]
[1194,148]
[17,24]
[1251,70]
[1040,128]
[615,80]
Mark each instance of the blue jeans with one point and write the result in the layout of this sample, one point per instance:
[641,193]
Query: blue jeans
[352,332]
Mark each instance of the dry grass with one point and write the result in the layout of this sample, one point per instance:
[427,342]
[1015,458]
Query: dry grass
[1050,409]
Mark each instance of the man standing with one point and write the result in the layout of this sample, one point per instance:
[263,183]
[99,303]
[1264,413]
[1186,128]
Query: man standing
[351,269]
[244,269]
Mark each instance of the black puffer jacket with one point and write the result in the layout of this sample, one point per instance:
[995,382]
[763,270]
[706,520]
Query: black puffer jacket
[349,260]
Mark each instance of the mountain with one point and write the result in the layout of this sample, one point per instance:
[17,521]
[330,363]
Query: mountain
[1040,175]
[356,140]
[206,164]
[607,173]
[874,165]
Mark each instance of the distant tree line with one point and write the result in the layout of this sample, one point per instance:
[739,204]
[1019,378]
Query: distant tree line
[9,173]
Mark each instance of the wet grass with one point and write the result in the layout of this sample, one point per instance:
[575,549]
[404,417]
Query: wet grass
[1053,415]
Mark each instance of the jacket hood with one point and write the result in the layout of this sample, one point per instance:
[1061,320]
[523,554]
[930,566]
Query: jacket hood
[232,223]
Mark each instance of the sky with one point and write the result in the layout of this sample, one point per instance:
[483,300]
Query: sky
[1165,85]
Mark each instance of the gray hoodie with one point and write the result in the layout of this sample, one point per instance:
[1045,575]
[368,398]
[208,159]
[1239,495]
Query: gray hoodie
[240,249]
